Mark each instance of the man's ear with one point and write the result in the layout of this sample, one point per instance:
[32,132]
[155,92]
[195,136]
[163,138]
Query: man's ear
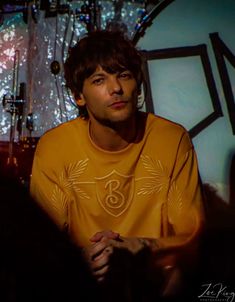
[80,100]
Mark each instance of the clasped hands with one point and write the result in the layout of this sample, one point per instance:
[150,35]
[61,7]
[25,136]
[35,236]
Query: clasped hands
[103,246]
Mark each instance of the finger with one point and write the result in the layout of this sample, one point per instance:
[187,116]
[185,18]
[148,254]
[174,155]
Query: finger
[106,252]
[100,279]
[97,251]
[107,233]
[102,259]
[101,249]
[101,272]
[94,250]
[113,235]
[97,236]
[101,265]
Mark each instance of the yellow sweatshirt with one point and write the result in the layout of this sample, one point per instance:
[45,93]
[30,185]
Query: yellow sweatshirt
[149,189]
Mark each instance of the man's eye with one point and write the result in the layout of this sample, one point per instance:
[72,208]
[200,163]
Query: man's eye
[98,81]
[125,75]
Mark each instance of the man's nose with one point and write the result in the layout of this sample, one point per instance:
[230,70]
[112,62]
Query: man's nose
[114,85]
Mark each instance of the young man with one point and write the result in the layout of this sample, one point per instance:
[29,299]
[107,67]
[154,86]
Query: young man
[117,179]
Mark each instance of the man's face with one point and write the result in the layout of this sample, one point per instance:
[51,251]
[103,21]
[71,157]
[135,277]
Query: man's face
[110,98]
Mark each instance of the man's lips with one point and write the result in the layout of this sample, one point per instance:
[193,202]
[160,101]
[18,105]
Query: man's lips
[118,104]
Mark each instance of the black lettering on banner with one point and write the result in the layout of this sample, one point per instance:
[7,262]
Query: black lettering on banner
[182,52]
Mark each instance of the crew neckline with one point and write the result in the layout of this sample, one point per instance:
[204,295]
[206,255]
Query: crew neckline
[129,146]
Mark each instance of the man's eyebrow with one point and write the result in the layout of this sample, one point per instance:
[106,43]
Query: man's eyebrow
[95,74]
[103,73]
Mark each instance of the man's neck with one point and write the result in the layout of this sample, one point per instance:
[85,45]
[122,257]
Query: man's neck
[113,137]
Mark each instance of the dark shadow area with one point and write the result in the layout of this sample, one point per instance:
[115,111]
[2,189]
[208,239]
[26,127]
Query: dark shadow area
[217,252]
[218,243]
[38,262]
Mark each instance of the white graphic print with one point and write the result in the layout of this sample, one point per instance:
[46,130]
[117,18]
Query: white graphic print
[159,178]
[115,192]
[175,204]
[67,180]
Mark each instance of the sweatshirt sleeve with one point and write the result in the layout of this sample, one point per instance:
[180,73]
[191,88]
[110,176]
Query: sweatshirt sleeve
[183,215]
[48,187]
